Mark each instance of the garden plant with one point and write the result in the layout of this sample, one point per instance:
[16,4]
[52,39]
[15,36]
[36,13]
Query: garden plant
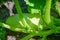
[39,20]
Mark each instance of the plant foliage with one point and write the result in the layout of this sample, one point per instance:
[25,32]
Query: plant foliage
[39,23]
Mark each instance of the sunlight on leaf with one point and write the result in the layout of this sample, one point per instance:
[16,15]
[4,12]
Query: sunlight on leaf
[6,26]
[21,23]
[35,20]
[35,11]
[41,26]
[28,3]
[18,29]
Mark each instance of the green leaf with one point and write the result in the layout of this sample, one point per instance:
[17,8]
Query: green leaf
[56,21]
[25,25]
[13,23]
[2,33]
[35,3]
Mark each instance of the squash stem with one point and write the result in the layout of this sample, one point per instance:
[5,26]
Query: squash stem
[57,7]
[18,8]
[47,11]
[28,36]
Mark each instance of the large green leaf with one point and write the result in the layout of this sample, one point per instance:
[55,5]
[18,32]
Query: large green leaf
[15,24]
